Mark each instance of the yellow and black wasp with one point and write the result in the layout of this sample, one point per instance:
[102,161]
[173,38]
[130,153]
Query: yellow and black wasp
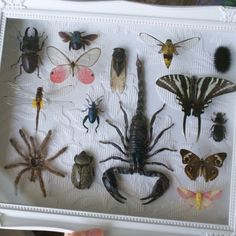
[168,49]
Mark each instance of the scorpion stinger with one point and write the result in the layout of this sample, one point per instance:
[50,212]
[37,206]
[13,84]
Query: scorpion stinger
[137,148]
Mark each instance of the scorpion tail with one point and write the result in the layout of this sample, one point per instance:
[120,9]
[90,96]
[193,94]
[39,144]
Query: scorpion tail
[110,183]
[159,188]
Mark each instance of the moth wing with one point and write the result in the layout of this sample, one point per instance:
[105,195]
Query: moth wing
[186,44]
[60,73]
[84,74]
[208,198]
[89,58]
[65,36]
[213,195]
[57,57]
[118,81]
[179,85]
[193,164]
[150,40]
[185,193]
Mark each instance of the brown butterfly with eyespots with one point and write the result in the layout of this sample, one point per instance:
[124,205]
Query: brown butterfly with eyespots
[196,166]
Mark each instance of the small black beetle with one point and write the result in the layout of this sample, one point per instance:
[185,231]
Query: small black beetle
[93,110]
[29,46]
[218,130]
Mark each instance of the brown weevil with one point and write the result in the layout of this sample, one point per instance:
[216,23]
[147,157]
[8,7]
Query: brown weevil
[82,174]
[29,46]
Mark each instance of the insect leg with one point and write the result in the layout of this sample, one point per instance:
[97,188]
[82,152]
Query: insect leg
[15,146]
[20,71]
[23,136]
[158,137]
[38,72]
[114,158]
[84,120]
[42,42]
[126,122]
[61,151]
[98,121]
[160,150]
[19,176]
[45,142]
[41,182]
[159,164]
[55,172]
[153,120]
[119,132]
[16,62]
[15,165]
[114,145]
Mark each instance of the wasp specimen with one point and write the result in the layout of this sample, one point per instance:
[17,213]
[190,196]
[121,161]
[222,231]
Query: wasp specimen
[218,130]
[93,112]
[82,171]
[76,39]
[29,47]
[168,49]
[118,70]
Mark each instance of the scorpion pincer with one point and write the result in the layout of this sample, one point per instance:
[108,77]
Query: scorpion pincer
[137,148]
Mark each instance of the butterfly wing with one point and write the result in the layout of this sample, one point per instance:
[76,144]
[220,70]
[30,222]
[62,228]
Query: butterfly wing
[186,44]
[63,65]
[57,57]
[180,85]
[150,40]
[193,164]
[210,171]
[89,58]
[209,197]
[84,74]
[60,73]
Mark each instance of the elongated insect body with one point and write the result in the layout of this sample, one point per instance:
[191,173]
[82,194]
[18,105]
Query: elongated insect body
[195,94]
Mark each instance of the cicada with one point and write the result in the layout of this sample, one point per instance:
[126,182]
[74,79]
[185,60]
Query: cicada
[78,68]
[168,49]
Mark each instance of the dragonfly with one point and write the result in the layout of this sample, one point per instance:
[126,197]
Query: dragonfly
[38,100]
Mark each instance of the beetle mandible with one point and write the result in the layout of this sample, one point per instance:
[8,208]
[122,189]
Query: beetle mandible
[29,46]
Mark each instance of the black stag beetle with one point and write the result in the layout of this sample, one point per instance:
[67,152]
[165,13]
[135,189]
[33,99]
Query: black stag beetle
[137,148]
[29,47]
[93,111]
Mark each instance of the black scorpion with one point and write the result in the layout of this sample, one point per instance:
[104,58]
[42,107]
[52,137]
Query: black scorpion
[137,149]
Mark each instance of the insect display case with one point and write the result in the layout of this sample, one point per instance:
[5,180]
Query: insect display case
[60,114]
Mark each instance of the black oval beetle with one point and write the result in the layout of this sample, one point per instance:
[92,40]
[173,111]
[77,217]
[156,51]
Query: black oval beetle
[29,47]
[218,129]
[93,110]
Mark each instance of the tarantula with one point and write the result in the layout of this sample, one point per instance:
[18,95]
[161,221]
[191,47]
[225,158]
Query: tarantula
[35,159]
